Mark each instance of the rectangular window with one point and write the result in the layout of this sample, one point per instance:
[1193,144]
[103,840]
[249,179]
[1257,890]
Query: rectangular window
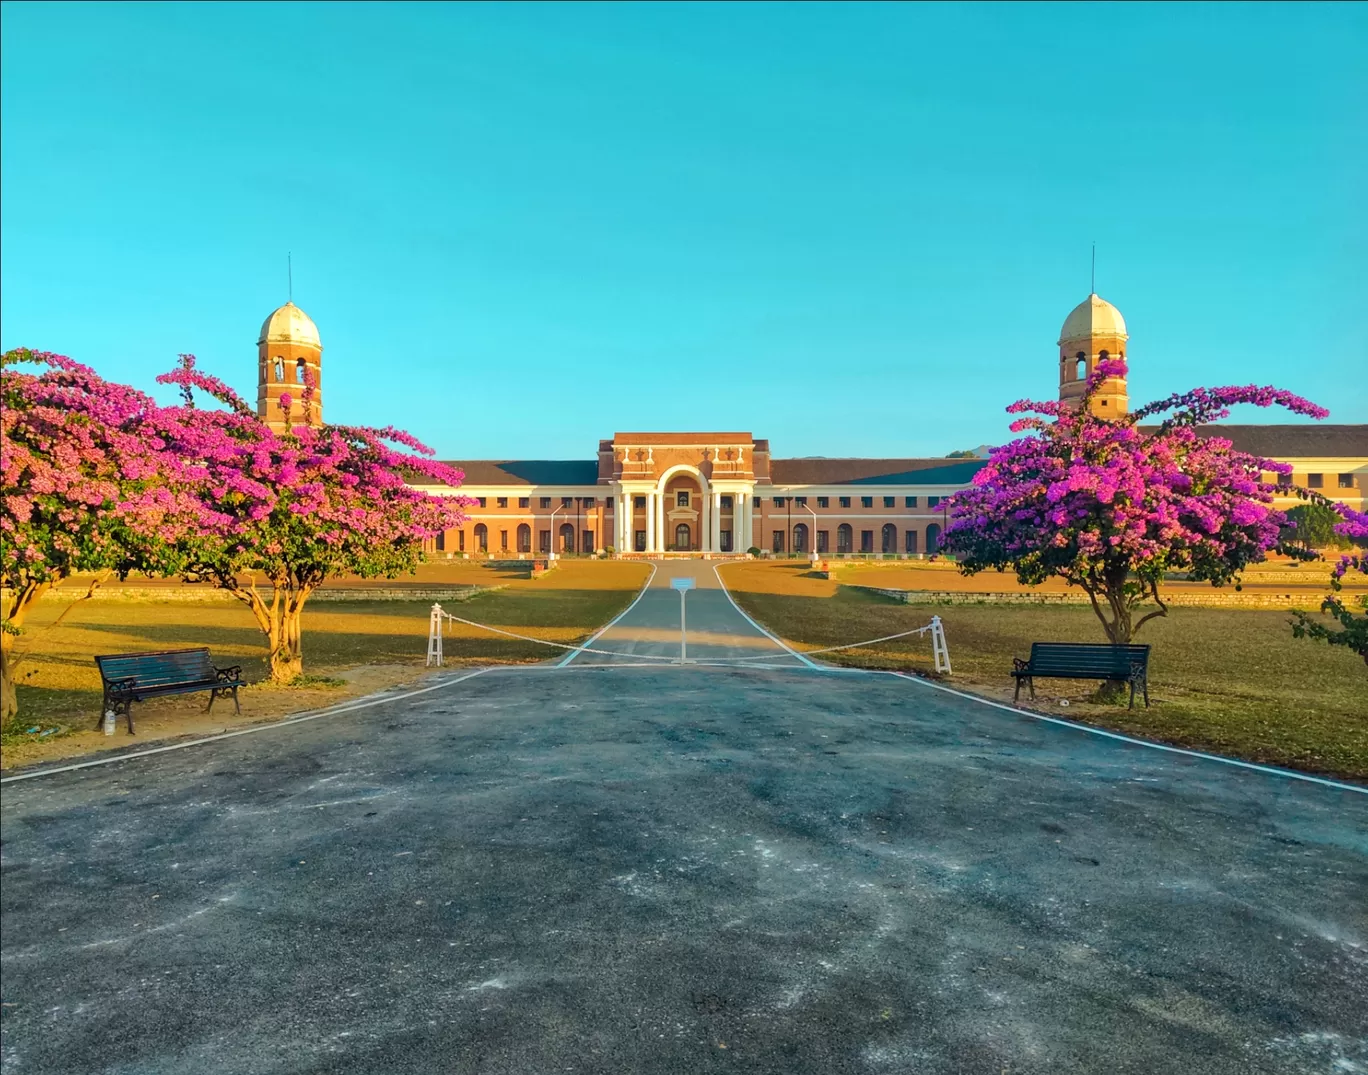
[866,540]
[639,541]
[639,502]
[889,501]
[587,541]
[682,499]
[460,541]
[1315,481]
[501,502]
[441,541]
[778,536]
[866,501]
[824,501]
[481,500]
[607,501]
[845,501]
[909,501]
[932,501]
[545,502]
[503,540]
[823,540]
[801,501]
[524,501]
[588,501]
[727,503]
[911,541]
[544,540]
[567,501]
[1284,480]
[778,501]
[725,540]
[1346,481]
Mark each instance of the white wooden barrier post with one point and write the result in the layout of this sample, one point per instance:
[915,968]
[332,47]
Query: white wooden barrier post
[434,654]
[939,650]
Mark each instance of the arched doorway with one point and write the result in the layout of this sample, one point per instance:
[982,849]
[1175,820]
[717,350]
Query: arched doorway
[524,538]
[800,538]
[845,538]
[567,538]
[683,539]
[481,537]
[890,537]
[933,538]
[912,542]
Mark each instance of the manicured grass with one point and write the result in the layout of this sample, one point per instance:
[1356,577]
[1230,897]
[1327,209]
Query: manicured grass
[60,687]
[1232,681]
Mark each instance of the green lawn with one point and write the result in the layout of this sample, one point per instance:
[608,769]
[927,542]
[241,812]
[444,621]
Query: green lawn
[1232,681]
[59,686]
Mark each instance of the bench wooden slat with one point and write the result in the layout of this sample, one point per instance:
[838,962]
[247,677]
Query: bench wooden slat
[1086,660]
[130,677]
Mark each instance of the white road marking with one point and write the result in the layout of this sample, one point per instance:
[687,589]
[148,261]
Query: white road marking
[571,656]
[332,711]
[1273,770]
[773,638]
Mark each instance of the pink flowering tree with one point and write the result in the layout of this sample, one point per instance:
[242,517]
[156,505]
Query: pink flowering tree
[85,487]
[1352,629]
[1110,506]
[280,513]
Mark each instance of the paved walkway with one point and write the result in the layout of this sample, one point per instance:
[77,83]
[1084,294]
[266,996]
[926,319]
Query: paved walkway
[681,870]
[716,628]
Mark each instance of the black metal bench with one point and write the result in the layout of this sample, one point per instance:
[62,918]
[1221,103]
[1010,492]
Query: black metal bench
[1085,660]
[135,677]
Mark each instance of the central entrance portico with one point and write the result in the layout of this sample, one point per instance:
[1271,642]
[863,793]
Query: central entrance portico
[682,492]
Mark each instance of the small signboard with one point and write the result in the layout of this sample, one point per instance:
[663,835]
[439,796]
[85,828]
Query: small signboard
[682,583]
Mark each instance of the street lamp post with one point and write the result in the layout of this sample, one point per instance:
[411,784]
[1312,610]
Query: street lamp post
[551,534]
[812,549]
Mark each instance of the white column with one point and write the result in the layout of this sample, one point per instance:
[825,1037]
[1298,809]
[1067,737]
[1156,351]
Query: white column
[650,522]
[741,521]
[715,531]
[662,541]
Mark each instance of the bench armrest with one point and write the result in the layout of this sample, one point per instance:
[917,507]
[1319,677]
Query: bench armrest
[121,686]
[1018,665]
[233,671]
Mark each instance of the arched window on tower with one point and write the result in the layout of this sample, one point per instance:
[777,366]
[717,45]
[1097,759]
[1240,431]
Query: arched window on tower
[299,371]
[1081,369]
[1102,356]
[279,369]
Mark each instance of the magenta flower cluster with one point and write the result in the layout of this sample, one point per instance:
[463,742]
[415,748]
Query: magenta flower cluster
[1110,504]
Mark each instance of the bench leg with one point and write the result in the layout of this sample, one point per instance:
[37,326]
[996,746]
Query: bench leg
[1031,682]
[1132,696]
[213,693]
[1144,686]
[128,712]
[237,706]
[1017,696]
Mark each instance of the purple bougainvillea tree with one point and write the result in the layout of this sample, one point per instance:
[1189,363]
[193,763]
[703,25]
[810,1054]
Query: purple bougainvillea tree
[85,487]
[1110,506]
[1353,626]
[283,512]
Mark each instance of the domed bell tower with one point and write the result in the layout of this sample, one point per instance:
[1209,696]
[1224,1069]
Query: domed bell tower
[1093,332]
[288,349]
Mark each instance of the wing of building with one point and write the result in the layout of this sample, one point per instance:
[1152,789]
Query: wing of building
[722,493]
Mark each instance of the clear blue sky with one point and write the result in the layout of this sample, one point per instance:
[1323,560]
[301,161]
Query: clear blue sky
[853,229]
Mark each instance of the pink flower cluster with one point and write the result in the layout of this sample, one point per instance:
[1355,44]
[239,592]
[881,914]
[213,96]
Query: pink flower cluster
[1092,499]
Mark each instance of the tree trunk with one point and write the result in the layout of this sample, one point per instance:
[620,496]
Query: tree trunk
[21,601]
[9,697]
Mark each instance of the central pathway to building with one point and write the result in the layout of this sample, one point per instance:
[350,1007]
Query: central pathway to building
[716,628]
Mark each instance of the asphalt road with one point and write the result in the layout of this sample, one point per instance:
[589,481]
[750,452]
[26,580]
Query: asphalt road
[682,869]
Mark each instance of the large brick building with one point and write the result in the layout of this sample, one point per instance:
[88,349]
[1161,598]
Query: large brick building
[724,493]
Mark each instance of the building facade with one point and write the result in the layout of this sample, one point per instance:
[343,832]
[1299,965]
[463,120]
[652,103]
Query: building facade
[723,493]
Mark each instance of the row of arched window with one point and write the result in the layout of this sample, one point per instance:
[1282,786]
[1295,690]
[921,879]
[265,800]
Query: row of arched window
[845,539]
[523,540]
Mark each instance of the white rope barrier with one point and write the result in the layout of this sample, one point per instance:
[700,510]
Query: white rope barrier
[940,651]
[434,653]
